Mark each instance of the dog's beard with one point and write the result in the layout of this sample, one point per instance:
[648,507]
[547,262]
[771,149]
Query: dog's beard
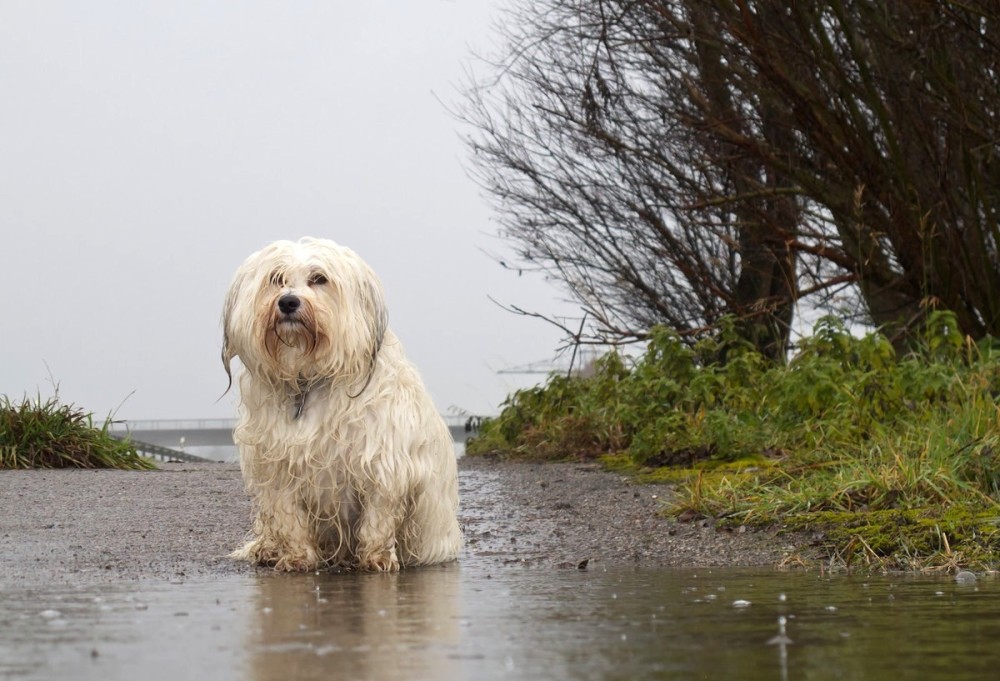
[293,340]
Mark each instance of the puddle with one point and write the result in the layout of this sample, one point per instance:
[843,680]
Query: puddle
[476,622]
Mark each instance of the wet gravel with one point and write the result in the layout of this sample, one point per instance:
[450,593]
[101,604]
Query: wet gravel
[110,525]
[78,526]
[562,514]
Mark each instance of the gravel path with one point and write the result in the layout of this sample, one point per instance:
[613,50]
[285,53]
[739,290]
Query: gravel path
[78,526]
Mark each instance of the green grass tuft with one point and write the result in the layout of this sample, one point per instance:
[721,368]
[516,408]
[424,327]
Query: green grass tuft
[37,434]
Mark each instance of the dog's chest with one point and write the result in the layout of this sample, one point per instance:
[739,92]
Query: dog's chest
[320,437]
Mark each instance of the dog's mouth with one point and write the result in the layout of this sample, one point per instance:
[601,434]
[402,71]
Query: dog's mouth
[291,330]
[288,327]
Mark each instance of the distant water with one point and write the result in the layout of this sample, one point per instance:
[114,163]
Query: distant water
[227,454]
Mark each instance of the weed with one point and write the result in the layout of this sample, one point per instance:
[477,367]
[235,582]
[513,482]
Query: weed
[37,434]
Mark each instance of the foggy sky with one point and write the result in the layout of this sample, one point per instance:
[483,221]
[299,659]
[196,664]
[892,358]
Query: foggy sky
[147,148]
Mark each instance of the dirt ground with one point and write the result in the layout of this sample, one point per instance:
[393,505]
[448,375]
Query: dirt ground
[76,526]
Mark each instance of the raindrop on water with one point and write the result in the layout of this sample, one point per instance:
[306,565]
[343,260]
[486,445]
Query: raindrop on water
[782,638]
[965,577]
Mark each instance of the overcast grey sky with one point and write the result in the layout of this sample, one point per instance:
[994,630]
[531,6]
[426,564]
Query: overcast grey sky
[146,148]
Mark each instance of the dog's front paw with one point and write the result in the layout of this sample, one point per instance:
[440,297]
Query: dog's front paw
[380,561]
[268,553]
[257,551]
[297,562]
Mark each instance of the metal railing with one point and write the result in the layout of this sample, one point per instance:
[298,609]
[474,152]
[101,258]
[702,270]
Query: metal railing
[177,434]
[175,424]
[157,452]
[452,420]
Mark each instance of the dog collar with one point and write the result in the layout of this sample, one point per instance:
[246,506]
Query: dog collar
[301,395]
[300,404]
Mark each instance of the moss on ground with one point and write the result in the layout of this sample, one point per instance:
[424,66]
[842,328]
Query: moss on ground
[921,539]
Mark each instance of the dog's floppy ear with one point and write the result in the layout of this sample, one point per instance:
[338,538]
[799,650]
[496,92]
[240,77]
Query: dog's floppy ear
[228,352]
[377,315]
[227,357]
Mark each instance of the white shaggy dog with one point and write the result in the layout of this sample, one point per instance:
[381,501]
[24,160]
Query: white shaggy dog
[346,457]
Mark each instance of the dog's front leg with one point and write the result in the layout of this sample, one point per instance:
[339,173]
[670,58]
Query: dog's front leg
[380,519]
[284,535]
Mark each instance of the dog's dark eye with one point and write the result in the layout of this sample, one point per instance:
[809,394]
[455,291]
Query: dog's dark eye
[277,279]
[317,280]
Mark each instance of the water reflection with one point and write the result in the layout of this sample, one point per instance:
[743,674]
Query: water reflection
[363,626]
[471,623]
[474,620]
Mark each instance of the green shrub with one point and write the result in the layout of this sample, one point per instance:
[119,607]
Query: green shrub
[847,425]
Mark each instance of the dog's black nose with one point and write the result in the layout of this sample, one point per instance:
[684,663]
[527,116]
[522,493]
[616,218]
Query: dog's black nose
[288,303]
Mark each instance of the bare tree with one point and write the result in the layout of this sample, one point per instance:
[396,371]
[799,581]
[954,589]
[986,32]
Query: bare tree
[896,112]
[676,161]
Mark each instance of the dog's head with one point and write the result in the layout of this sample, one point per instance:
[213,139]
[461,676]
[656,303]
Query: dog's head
[304,311]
